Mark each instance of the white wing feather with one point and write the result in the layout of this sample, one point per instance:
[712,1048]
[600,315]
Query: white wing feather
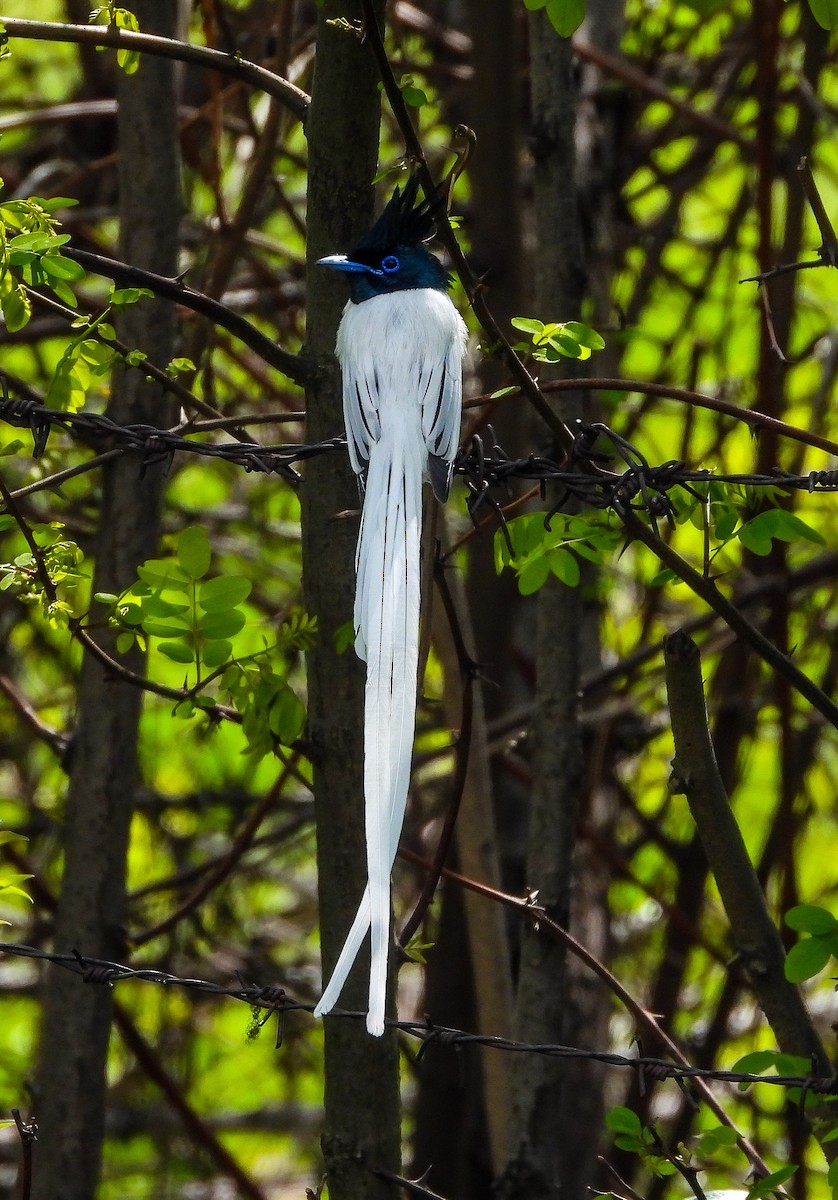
[401,358]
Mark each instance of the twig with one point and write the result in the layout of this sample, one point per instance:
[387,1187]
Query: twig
[125,39]
[756,421]
[195,1125]
[644,1019]
[696,775]
[54,738]
[473,288]
[78,631]
[414,1187]
[28,1133]
[294,366]
[221,869]
[707,590]
[829,248]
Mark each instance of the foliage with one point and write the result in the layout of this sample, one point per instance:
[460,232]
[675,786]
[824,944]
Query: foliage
[539,544]
[557,340]
[30,256]
[564,15]
[195,620]
[809,956]
[120,18]
[215,617]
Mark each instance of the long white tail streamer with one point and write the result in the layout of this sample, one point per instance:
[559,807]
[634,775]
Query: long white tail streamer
[402,414]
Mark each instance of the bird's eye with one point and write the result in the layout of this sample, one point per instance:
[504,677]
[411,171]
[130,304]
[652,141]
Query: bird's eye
[389,264]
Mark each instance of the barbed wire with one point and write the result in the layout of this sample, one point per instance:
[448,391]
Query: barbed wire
[586,478]
[275,1000]
[154,445]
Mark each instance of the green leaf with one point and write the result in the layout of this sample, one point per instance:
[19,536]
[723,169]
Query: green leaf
[534,5]
[58,267]
[667,575]
[183,365]
[344,637]
[221,624]
[566,15]
[771,1182]
[754,1064]
[225,592]
[163,574]
[533,576]
[565,566]
[54,203]
[712,1140]
[124,642]
[414,96]
[832,1176]
[171,628]
[179,652]
[193,551]
[825,13]
[584,335]
[809,918]
[528,324]
[287,716]
[16,309]
[807,958]
[129,295]
[758,533]
[7,836]
[216,653]
[623,1120]
[754,537]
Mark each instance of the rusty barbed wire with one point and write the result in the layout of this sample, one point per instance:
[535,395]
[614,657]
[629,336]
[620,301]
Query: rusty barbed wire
[154,445]
[585,479]
[275,1000]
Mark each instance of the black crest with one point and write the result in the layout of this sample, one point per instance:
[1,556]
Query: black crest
[403,222]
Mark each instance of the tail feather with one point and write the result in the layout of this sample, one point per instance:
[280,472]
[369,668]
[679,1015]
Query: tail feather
[387,622]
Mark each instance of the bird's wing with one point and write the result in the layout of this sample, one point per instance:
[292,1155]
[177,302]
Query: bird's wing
[360,403]
[441,389]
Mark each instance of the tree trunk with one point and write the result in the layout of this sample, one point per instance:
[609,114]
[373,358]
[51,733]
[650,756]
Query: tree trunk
[361,1129]
[71,1084]
[537,1148]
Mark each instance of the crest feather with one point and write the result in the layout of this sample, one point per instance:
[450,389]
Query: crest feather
[403,222]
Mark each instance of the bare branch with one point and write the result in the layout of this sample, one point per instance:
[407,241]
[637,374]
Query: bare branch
[125,39]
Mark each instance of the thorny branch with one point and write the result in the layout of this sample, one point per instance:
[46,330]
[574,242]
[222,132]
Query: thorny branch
[293,366]
[28,1133]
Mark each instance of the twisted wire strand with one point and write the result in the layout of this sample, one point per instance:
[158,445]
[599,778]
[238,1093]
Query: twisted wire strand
[483,468]
[275,999]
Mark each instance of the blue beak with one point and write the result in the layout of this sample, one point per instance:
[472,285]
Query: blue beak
[339,262]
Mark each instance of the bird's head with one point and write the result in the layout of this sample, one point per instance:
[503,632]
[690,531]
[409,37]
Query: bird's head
[393,257]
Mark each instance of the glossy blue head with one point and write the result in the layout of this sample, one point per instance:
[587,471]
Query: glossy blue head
[393,257]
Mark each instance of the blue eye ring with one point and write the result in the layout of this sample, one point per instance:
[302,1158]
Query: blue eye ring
[390,264]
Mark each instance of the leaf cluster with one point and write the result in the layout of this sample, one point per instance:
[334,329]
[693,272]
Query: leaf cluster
[30,256]
[554,340]
[810,955]
[195,620]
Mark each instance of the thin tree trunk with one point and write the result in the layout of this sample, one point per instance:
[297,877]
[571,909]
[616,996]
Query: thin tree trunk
[71,1084]
[362,1119]
[537,1148]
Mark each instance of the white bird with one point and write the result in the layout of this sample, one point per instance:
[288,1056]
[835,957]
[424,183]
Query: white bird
[400,345]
